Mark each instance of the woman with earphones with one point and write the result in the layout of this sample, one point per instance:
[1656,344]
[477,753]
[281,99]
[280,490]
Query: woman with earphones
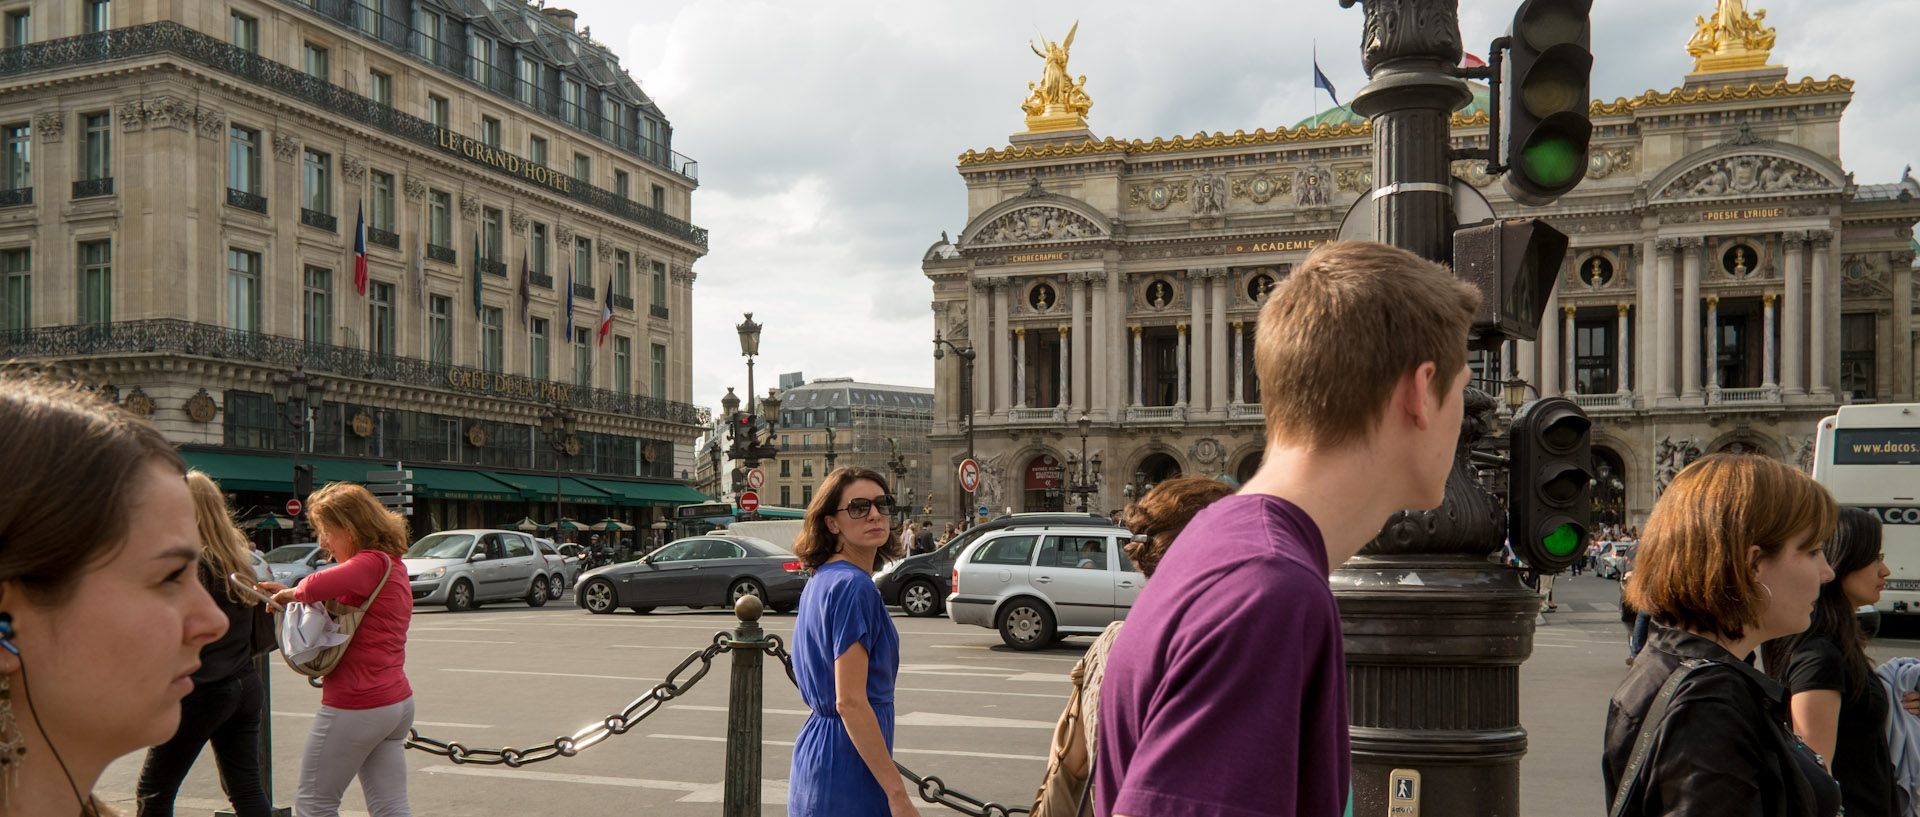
[102,620]
[1731,558]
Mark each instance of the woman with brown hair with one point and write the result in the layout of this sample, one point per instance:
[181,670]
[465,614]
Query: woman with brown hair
[366,705]
[224,706]
[1731,559]
[101,617]
[1155,521]
[846,655]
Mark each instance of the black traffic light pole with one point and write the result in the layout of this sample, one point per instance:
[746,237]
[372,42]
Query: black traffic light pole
[1435,629]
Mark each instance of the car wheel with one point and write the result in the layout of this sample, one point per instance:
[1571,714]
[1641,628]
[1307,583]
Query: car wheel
[537,596]
[1026,625]
[599,597]
[744,588]
[460,598]
[784,609]
[919,599]
[556,588]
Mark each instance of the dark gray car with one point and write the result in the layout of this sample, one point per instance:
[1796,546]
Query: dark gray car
[699,571]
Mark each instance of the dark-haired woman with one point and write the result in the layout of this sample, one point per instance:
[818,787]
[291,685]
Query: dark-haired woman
[1839,706]
[846,654]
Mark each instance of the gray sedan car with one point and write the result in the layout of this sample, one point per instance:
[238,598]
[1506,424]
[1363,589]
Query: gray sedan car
[703,570]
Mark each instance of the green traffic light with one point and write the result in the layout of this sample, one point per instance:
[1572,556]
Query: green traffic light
[1563,540]
[1552,162]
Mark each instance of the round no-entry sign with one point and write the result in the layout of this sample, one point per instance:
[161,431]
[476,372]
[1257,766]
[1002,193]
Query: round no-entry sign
[293,507]
[969,475]
[749,501]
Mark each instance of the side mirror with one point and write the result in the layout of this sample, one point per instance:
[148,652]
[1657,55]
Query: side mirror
[478,555]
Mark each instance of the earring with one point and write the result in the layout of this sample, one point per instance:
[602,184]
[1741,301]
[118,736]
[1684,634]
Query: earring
[1763,586]
[13,747]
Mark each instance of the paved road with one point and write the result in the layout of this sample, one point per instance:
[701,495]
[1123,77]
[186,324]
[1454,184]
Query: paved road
[970,710]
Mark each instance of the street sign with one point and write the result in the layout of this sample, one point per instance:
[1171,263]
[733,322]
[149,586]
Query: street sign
[983,513]
[749,501]
[389,476]
[970,477]
[389,487]
[756,479]
[293,507]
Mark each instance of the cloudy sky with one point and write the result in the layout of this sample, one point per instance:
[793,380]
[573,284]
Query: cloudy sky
[827,132]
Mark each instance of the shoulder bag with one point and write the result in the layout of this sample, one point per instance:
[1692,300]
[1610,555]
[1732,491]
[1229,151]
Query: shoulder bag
[1650,728]
[345,621]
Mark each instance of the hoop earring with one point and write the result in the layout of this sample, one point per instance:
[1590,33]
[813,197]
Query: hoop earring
[13,747]
[1763,586]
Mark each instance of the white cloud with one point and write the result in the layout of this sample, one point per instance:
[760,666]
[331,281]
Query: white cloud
[827,132]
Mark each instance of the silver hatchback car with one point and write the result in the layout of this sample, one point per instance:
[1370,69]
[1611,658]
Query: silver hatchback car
[1036,586]
[466,568]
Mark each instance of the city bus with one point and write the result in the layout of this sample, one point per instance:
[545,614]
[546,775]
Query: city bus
[1869,456]
[694,520]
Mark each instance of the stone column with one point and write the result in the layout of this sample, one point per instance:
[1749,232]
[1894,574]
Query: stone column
[1526,361]
[1139,368]
[1197,355]
[1713,344]
[1623,352]
[1822,351]
[1100,373]
[1077,289]
[1569,346]
[1793,317]
[1239,362]
[1064,399]
[1002,350]
[1548,349]
[1767,378]
[1019,368]
[977,334]
[1690,318]
[1180,373]
[1217,355]
[1662,342]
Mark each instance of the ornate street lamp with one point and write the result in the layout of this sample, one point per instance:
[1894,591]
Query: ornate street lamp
[1087,481]
[295,394]
[557,425]
[1515,393]
[831,454]
[940,347]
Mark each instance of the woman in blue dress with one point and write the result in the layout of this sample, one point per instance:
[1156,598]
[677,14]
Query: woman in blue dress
[846,654]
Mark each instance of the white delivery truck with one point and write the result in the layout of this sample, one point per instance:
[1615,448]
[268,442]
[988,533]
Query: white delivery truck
[1869,457]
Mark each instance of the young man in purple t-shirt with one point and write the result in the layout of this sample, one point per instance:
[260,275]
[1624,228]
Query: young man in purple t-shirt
[1225,693]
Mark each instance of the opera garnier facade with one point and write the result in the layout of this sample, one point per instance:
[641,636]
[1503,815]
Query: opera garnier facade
[1729,282]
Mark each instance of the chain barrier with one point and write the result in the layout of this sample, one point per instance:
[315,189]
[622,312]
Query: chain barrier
[570,745]
[932,789]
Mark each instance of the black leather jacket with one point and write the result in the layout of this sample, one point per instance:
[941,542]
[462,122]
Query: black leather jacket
[1726,750]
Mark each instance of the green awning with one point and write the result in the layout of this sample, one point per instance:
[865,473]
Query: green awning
[540,489]
[650,494]
[441,483]
[270,473]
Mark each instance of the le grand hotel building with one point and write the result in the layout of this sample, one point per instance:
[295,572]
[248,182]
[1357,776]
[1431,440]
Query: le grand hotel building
[182,184]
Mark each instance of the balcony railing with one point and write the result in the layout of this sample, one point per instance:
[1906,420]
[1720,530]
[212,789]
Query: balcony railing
[315,218]
[1763,395]
[384,238]
[93,188]
[169,336]
[1038,415]
[1244,411]
[168,37]
[657,311]
[492,267]
[540,279]
[1156,414]
[247,201]
[17,197]
[622,301]
[444,255]
[1603,401]
[581,290]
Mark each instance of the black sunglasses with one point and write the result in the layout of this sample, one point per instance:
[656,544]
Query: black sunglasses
[859,508]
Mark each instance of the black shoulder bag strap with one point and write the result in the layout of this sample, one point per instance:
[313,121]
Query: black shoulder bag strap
[1650,733]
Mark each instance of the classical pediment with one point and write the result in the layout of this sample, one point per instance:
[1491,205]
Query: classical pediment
[1034,223]
[1746,175]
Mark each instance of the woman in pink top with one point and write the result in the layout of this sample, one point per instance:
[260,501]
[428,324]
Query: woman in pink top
[366,706]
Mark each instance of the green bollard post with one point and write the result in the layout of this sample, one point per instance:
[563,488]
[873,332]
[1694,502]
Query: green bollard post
[742,794]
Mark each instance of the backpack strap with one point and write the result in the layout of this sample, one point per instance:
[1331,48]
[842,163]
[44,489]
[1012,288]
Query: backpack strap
[378,587]
[1650,733]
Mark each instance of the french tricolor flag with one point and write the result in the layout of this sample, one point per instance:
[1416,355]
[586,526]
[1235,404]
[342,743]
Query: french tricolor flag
[360,249]
[606,315]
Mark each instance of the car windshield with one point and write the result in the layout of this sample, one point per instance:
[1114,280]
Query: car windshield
[441,546]
[288,554]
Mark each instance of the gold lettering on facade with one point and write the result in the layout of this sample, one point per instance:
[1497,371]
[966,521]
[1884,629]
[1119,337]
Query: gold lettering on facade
[1739,215]
[1032,257]
[1274,246]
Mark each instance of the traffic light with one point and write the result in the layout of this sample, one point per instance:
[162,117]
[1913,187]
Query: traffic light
[1514,263]
[302,481]
[1544,99]
[1548,511]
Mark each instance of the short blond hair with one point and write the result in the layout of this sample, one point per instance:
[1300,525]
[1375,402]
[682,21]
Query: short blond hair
[1342,329]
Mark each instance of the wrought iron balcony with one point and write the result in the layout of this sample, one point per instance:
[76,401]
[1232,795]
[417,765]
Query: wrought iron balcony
[167,336]
[492,267]
[17,197]
[92,188]
[657,311]
[247,201]
[581,290]
[315,218]
[622,301]
[168,37]
[540,279]
[375,235]
[444,255]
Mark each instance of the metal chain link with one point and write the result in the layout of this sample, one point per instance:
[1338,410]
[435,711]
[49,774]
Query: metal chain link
[932,789]
[570,745]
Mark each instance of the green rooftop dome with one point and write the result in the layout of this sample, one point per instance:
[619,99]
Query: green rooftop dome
[1482,102]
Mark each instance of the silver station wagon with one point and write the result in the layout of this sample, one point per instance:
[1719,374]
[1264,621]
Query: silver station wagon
[1036,586]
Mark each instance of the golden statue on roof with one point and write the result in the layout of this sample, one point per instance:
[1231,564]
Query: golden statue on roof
[1058,101]
[1731,40]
